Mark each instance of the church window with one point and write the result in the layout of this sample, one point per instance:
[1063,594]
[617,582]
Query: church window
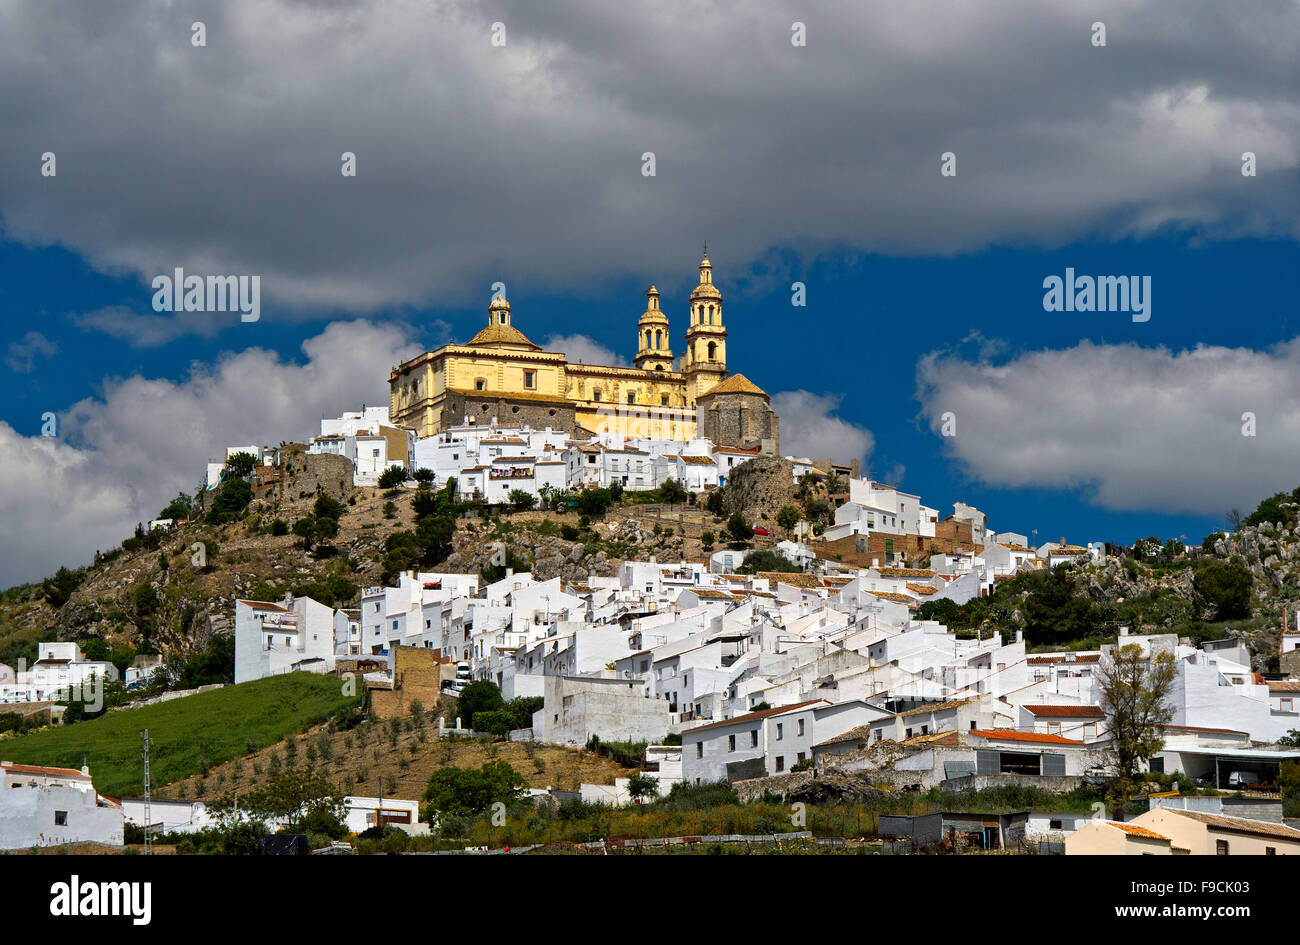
[663,398]
[711,315]
[647,337]
[595,395]
[659,339]
[530,379]
[631,397]
[480,384]
[713,351]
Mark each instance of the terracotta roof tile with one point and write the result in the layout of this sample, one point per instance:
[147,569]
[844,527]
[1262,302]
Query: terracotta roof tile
[755,716]
[1013,735]
[1137,830]
[1066,711]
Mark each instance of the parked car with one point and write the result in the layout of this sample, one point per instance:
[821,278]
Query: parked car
[1239,780]
[761,531]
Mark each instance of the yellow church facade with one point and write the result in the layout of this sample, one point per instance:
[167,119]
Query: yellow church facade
[502,377]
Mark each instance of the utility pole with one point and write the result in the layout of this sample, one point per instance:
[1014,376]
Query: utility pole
[144,733]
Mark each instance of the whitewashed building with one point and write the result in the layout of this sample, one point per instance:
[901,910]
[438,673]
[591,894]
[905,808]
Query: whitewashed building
[44,806]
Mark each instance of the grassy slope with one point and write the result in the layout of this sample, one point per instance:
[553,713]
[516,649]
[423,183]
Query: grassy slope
[187,733]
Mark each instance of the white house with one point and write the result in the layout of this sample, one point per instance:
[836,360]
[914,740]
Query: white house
[766,742]
[60,671]
[270,639]
[43,806]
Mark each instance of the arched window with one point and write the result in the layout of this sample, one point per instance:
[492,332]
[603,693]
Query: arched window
[711,315]
[647,337]
[659,339]
[713,351]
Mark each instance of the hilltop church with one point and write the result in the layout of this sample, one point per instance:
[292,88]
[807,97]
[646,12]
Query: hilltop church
[501,377]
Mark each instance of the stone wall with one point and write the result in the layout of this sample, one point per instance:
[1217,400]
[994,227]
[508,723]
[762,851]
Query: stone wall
[537,411]
[1055,784]
[417,676]
[739,420]
[328,472]
[755,788]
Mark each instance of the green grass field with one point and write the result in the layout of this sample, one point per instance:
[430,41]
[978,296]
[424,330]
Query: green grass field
[187,733]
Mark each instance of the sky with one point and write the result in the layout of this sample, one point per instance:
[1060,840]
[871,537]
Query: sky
[513,143]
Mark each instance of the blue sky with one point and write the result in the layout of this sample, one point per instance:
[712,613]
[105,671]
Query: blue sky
[524,162]
[867,322]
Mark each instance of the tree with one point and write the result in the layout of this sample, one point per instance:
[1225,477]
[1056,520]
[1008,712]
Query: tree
[326,507]
[767,559]
[1145,549]
[1227,586]
[230,501]
[1233,519]
[707,539]
[594,502]
[494,722]
[1134,688]
[641,785]
[672,492]
[482,695]
[434,534]
[393,477]
[56,590]
[424,475]
[716,503]
[179,507]
[945,610]
[739,530]
[788,517]
[1276,508]
[325,529]
[239,466]
[1053,610]
[305,528]
[522,499]
[296,796]
[464,791]
[1210,540]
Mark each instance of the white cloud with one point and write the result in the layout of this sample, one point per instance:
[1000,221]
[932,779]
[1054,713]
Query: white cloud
[1134,428]
[21,356]
[120,457]
[523,163]
[810,429]
[149,330]
[584,349]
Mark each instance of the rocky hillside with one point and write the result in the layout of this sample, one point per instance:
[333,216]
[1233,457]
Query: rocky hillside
[165,593]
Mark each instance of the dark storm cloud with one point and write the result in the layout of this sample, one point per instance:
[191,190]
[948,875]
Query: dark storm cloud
[523,163]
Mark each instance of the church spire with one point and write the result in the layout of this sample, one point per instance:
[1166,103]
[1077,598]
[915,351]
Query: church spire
[654,351]
[706,338]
